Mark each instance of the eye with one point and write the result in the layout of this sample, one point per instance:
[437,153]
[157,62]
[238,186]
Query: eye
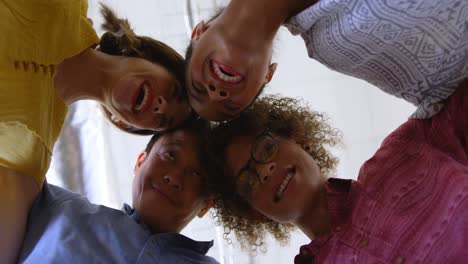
[198,89]
[170,155]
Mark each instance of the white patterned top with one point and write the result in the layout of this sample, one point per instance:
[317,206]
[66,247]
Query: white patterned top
[414,49]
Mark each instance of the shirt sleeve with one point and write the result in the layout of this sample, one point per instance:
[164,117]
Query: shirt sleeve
[414,50]
[45,31]
[40,34]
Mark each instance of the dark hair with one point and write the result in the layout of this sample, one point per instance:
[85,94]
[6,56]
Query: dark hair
[285,117]
[200,128]
[120,40]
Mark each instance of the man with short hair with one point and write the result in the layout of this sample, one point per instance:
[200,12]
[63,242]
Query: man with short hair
[169,190]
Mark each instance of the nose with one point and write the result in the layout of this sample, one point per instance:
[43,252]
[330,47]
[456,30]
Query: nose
[173,181]
[265,171]
[216,94]
[160,105]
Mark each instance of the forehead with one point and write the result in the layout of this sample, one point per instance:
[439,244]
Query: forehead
[184,140]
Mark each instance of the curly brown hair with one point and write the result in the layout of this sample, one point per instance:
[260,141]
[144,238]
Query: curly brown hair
[285,117]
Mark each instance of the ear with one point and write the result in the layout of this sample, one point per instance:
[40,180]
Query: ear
[140,159]
[208,205]
[271,72]
[199,29]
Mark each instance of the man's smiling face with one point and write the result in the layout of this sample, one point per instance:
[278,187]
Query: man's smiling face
[168,189]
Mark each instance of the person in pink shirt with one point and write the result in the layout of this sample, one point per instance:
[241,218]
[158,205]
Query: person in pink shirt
[409,203]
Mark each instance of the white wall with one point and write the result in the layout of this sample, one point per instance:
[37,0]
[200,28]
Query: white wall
[363,113]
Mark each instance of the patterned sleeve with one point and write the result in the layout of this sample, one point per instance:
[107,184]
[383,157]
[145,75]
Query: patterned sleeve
[413,49]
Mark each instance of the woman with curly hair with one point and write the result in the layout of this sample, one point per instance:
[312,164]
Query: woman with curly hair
[52,57]
[408,204]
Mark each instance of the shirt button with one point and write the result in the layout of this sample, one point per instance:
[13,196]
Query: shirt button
[338,229]
[400,260]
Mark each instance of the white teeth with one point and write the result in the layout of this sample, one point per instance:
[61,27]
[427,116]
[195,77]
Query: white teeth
[284,184]
[145,99]
[224,77]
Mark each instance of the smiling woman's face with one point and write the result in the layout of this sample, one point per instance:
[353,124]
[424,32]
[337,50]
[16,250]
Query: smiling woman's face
[287,184]
[167,188]
[147,96]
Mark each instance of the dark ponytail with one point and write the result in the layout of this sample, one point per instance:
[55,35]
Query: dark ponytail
[119,38]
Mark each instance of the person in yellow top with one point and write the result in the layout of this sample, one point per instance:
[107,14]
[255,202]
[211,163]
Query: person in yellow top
[50,57]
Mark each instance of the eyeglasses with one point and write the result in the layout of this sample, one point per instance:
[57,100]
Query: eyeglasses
[263,150]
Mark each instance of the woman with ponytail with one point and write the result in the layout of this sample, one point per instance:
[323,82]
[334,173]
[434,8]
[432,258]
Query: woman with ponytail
[52,57]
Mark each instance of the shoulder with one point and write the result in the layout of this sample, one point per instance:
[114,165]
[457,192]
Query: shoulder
[52,195]
[46,32]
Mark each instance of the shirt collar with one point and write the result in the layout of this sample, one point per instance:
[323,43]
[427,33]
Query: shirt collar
[134,215]
[338,200]
[180,241]
[171,239]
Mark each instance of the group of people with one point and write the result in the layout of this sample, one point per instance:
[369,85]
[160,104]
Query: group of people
[262,162]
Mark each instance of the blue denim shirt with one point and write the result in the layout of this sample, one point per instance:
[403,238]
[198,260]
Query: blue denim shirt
[64,227]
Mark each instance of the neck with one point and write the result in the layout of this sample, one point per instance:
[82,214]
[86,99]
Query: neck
[315,222]
[85,76]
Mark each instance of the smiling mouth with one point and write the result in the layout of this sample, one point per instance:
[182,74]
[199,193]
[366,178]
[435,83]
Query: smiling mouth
[156,188]
[225,73]
[279,193]
[142,98]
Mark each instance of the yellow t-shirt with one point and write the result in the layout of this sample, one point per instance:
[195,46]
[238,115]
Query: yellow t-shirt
[37,35]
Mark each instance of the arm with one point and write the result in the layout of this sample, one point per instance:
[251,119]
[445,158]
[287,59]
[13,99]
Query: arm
[17,193]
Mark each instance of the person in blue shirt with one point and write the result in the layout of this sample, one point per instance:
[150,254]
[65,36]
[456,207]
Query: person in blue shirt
[169,190]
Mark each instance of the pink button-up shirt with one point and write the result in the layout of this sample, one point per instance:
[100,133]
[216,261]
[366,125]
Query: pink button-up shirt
[410,201]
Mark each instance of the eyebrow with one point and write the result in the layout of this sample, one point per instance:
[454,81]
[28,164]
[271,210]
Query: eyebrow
[174,143]
[195,94]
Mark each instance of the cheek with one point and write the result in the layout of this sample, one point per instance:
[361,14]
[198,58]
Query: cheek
[283,212]
[122,90]
[136,186]
[199,55]
[263,204]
